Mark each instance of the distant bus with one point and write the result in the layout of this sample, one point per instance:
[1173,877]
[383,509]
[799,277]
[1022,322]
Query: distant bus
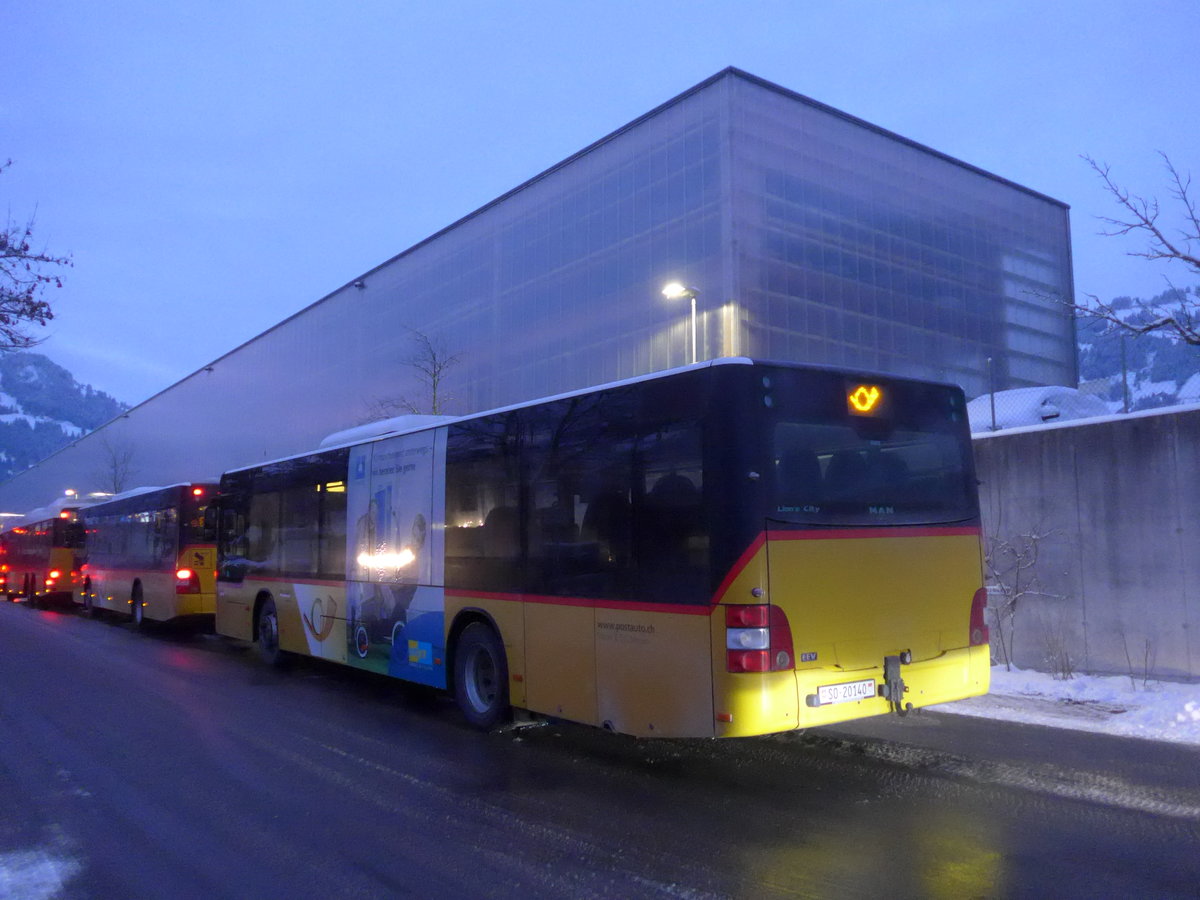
[42,556]
[733,548]
[152,554]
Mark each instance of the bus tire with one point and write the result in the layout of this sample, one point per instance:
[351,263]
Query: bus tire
[137,612]
[268,634]
[481,676]
[89,608]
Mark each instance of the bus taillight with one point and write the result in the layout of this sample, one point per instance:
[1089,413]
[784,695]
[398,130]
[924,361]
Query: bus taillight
[980,634]
[55,575]
[758,638]
[187,582]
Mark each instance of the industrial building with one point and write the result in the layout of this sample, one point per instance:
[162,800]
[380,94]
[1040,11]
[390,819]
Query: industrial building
[802,234]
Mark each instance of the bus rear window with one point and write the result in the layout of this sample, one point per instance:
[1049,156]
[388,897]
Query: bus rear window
[839,473]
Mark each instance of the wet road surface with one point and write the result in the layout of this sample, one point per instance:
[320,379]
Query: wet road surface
[169,764]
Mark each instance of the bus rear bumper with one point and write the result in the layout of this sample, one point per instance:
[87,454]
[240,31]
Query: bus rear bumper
[784,701]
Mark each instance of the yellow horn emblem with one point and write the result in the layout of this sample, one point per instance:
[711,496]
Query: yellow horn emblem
[866,398]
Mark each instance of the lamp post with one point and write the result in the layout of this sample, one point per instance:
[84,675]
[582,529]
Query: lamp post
[676,291]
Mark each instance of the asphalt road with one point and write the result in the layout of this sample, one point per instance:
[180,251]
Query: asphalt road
[175,765]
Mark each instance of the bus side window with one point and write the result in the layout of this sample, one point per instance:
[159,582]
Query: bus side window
[332,550]
[483,527]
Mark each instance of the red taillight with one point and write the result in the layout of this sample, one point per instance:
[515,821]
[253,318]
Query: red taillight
[748,660]
[979,628]
[747,616]
[758,638]
[187,582]
[197,492]
[55,574]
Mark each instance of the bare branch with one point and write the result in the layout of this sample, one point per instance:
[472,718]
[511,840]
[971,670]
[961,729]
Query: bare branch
[116,466]
[1143,214]
[430,361]
[22,280]
[1142,218]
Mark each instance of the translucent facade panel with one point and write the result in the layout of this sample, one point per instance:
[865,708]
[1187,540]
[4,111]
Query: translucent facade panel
[858,249]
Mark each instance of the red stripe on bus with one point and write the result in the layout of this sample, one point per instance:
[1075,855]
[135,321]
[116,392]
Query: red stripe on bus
[869,533]
[683,609]
[739,566]
[279,579]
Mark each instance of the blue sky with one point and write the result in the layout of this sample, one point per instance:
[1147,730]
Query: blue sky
[213,167]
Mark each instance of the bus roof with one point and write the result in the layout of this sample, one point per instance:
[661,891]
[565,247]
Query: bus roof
[149,489]
[411,424]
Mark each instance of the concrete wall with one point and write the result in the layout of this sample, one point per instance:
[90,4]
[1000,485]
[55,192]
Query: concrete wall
[1111,509]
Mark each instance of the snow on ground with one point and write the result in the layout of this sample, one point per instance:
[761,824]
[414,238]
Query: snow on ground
[1108,704]
[36,874]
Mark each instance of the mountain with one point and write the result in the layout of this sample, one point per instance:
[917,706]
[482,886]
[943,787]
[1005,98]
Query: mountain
[43,408]
[1159,370]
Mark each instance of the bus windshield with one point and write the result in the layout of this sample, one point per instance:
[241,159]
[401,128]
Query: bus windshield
[909,464]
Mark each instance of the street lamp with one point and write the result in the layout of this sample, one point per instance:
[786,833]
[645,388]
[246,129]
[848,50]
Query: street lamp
[676,291]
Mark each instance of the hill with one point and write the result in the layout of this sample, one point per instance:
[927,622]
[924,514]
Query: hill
[43,408]
[1160,370]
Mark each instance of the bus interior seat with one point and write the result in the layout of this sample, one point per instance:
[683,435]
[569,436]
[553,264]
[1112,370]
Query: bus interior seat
[501,536]
[845,475]
[799,477]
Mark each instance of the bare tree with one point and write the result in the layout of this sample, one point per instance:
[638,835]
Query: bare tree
[116,465]
[1142,217]
[430,362]
[23,277]
[1012,560]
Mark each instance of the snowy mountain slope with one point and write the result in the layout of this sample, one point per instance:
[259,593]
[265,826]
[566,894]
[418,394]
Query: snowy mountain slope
[43,408]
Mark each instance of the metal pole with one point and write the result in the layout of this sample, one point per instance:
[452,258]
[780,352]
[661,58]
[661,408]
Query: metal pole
[1124,378]
[693,327]
[992,391]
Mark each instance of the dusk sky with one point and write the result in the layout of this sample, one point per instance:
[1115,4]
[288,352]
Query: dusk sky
[214,167]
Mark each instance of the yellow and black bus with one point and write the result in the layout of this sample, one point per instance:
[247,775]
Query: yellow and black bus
[151,555]
[732,548]
[42,556]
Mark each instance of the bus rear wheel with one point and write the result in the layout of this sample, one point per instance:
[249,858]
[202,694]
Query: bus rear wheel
[268,634]
[138,612]
[481,676]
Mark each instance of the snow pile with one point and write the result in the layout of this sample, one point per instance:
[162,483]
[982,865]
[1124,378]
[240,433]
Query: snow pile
[36,874]
[1117,705]
[1033,406]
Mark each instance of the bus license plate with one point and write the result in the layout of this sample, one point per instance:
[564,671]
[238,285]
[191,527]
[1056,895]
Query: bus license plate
[845,693]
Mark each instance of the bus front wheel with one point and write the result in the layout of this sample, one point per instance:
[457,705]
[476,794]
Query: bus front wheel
[481,676]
